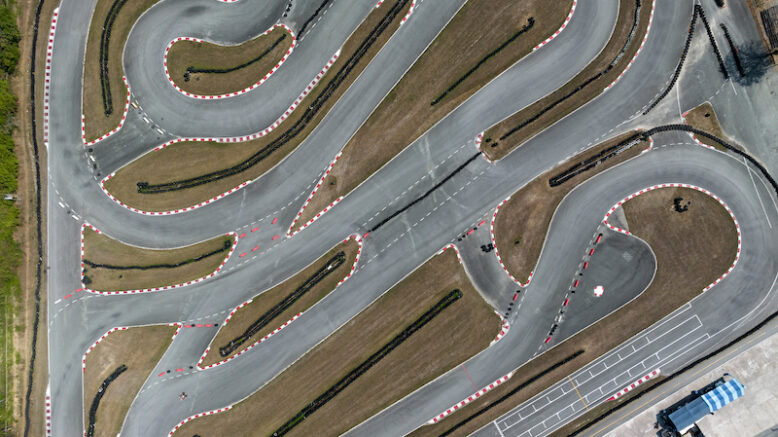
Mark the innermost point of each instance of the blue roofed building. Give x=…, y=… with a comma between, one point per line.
x=685, y=417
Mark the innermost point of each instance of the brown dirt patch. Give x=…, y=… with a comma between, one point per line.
x=406, y=112
x=139, y=349
x=704, y=117
x=245, y=316
x=692, y=249
x=428, y=353
x=592, y=90
x=101, y=249
x=204, y=55
x=95, y=120
x=522, y=222
x=188, y=159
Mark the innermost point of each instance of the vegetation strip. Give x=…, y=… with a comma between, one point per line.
x=513, y=392
x=193, y=69
x=299, y=125
x=333, y=264
x=90, y=431
x=344, y=382
x=524, y=29
x=105, y=39
x=586, y=83
x=423, y=196
x=226, y=248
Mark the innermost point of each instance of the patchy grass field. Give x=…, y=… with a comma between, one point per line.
x=607, y=56
x=245, y=316
x=478, y=29
x=190, y=159
x=457, y=333
x=139, y=349
x=265, y=50
x=96, y=121
x=522, y=222
x=704, y=117
x=692, y=249
x=100, y=249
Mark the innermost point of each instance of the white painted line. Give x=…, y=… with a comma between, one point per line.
x=757, y=192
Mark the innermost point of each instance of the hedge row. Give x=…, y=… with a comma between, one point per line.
x=227, y=246
x=733, y=49
x=105, y=41
x=193, y=69
x=524, y=29
x=586, y=83
x=352, y=376
x=90, y=429
x=333, y=264
x=310, y=112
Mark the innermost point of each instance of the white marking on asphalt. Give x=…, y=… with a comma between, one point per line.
x=757, y=192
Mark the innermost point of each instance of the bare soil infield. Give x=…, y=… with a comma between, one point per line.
x=457, y=333
x=139, y=349
x=205, y=55
x=704, y=117
x=189, y=159
x=619, y=37
x=245, y=316
x=692, y=249
x=526, y=216
x=101, y=249
x=479, y=27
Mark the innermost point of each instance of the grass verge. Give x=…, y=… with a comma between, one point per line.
x=586, y=85
x=111, y=265
x=186, y=160
x=704, y=117
x=139, y=349
x=96, y=121
x=248, y=315
x=457, y=333
x=408, y=110
x=692, y=249
x=210, y=69
x=522, y=222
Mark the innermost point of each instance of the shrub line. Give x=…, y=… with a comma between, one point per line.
x=227, y=246
x=105, y=41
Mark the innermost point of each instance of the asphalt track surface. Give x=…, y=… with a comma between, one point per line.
x=405, y=242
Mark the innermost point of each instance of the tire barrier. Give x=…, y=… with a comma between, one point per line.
x=38, y=228
x=192, y=69
x=226, y=248
x=733, y=49
x=84, y=279
x=310, y=112
x=330, y=267
x=90, y=430
x=595, y=160
x=693, y=187
x=352, y=376
x=423, y=196
x=698, y=11
x=518, y=388
x=105, y=41
x=524, y=29
x=586, y=83
x=312, y=17
x=640, y=48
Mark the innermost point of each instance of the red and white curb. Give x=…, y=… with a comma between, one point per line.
x=645, y=38
x=504, y=328
x=478, y=140
x=469, y=399
x=47, y=78
x=239, y=139
x=117, y=128
x=408, y=15
x=356, y=238
x=629, y=388
x=48, y=410
x=497, y=253
x=83, y=357
x=694, y=138
x=567, y=20
x=456, y=250
x=693, y=187
x=165, y=287
x=291, y=232
x=236, y=93
x=195, y=416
